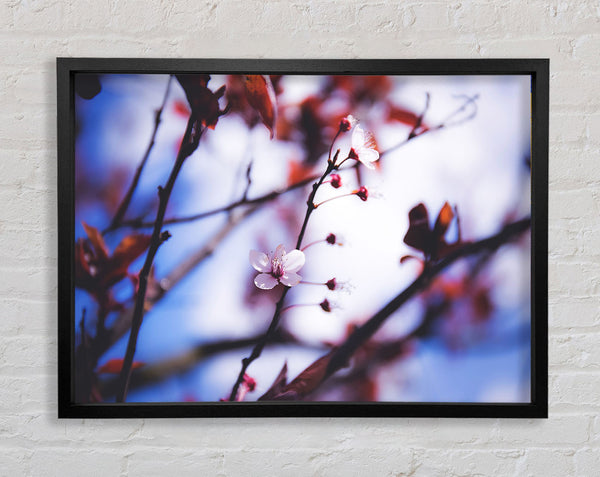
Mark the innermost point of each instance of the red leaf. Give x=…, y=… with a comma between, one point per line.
x=403, y=116
x=261, y=96
x=297, y=172
x=114, y=366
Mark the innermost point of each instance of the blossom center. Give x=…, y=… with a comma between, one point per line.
x=277, y=268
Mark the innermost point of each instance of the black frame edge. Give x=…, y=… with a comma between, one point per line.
x=538, y=68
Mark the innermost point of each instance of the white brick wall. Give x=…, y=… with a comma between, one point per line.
x=34, y=442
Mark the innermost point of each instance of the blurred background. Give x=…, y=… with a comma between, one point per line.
x=464, y=339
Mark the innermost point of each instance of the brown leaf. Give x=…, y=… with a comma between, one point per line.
x=277, y=386
x=261, y=96
x=430, y=241
x=443, y=220
x=204, y=103
x=307, y=381
x=402, y=116
x=130, y=248
x=418, y=234
x=97, y=241
x=96, y=270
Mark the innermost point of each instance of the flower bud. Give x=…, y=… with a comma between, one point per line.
x=347, y=123
x=331, y=239
x=331, y=284
x=336, y=181
x=325, y=305
x=362, y=193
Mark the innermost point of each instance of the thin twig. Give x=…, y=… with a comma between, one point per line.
x=444, y=124
x=257, y=350
x=118, y=218
x=141, y=223
x=419, y=121
x=340, y=357
x=122, y=323
x=189, y=144
x=248, y=180
x=157, y=372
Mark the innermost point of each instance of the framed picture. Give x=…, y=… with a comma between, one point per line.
x=302, y=237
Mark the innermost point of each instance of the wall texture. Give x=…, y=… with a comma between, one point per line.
x=34, y=442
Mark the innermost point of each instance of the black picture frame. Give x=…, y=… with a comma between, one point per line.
x=539, y=71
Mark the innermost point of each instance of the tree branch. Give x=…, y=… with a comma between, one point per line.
x=118, y=218
x=447, y=122
x=122, y=323
x=151, y=374
x=340, y=357
x=364, y=332
x=189, y=144
x=140, y=223
x=256, y=352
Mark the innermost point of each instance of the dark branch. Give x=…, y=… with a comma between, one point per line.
x=118, y=218
x=189, y=144
x=248, y=181
x=341, y=357
x=310, y=207
x=151, y=374
x=123, y=322
x=141, y=223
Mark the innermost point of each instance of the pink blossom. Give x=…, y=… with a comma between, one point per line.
x=363, y=147
x=278, y=267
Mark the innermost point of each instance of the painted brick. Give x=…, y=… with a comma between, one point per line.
x=33, y=34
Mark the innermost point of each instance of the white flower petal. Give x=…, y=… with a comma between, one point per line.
x=293, y=261
x=279, y=253
x=290, y=279
x=260, y=261
x=264, y=281
x=368, y=156
x=358, y=137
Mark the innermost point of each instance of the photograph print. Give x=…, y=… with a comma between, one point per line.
x=342, y=238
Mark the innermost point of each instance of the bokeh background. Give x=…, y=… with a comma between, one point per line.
x=477, y=346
